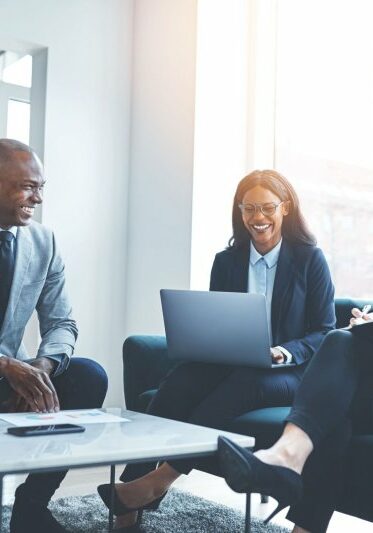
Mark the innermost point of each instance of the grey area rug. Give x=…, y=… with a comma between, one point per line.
x=179, y=512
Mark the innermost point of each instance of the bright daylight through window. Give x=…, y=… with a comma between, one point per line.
x=15, y=84
x=300, y=100
x=324, y=128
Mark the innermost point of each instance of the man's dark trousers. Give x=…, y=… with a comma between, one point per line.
x=82, y=386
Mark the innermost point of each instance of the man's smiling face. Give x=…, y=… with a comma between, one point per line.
x=21, y=189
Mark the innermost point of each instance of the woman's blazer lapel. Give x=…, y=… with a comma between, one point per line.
x=240, y=271
x=283, y=280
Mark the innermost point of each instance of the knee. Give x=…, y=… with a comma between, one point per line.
x=90, y=375
x=338, y=348
x=338, y=334
x=338, y=338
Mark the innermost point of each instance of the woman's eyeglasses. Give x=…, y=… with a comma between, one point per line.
x=266, y=209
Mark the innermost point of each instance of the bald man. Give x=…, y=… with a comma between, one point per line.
x=32, y=277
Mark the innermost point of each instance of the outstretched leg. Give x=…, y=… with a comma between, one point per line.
x=319, y=420
x=180, y=392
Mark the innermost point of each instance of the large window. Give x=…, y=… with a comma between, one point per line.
x=291, y=89
x=324, y=128
x=15, y=95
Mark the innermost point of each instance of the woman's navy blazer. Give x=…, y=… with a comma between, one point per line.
x=303, y=294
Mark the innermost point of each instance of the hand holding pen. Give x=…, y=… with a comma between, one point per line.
x=360, y=317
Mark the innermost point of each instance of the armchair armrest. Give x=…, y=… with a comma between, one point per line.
x=145, y=363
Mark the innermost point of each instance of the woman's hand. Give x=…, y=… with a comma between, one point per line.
x=277, y=356
x=359, y=317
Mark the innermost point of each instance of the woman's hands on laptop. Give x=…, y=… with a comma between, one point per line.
x=277, y=356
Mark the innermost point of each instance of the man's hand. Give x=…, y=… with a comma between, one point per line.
x=31, y=382
x=16, y=404
x=277, y=356
x=359, y=317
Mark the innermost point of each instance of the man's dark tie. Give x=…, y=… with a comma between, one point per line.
x=6, y=270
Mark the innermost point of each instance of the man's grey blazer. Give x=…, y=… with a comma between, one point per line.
x=38, y=283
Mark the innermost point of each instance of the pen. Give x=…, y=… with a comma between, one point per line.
x=366, y=309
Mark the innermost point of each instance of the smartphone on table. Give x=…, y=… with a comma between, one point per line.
x=55, y=429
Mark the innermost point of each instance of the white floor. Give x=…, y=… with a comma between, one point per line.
x=80, y=482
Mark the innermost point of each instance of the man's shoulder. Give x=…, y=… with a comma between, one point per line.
x=37, y=232
x=40, y=238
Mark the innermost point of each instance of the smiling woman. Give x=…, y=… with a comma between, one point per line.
x=265, y=207
x=271, y=252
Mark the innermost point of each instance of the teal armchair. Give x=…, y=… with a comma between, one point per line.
x=146, y=362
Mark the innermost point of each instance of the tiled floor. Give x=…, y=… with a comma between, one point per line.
x=79, y=482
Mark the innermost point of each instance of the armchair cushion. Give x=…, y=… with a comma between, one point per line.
x=145, y=363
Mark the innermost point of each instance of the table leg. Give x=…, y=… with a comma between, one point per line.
x=248, y=513
x=1, y=504
x=112, y=481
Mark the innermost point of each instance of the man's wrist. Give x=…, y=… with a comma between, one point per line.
x=61, y=362
x=45, y=364
x=4, y=363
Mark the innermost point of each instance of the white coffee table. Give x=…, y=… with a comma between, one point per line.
x=144, y=438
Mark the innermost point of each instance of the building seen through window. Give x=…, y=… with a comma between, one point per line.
x=324, y=129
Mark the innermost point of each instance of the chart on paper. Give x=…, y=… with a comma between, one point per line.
x=81, y=416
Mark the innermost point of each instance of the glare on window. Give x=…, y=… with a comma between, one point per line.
x=19, y=72
x=18, y=123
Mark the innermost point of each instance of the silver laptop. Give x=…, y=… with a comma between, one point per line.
x=217, y=327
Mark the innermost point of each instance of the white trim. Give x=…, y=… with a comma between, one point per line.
x=261, y=83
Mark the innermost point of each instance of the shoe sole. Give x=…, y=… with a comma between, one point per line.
x=234, y=467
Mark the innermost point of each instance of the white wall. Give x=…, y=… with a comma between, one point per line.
x=221, y=127
x=120, y=172
x=86, y=156
x=162, y=136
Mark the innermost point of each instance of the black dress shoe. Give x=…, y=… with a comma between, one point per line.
x=31, y=518
x=120, y=508
x=154, y=505
x=244, y=472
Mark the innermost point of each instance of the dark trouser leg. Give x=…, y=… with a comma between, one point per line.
x=322, y=481
x=328, y=386
x=179, y=394
x=245, y=389
x=332, y=388
x=82, y=386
